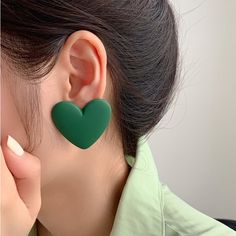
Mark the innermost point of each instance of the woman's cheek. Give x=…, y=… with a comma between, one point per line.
x=10, y=120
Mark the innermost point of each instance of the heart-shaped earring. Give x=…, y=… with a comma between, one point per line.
x=82, y=127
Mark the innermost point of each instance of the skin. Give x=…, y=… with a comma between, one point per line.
x=80, y=189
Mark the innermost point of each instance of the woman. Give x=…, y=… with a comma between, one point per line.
x=83, y=84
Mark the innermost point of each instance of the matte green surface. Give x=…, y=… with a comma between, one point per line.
x=82, y=127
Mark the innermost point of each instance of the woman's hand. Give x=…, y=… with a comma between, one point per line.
x=20, y=189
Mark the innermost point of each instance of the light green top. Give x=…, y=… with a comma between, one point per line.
x=147, y=207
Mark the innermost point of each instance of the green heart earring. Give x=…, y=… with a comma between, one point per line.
x=82, y=127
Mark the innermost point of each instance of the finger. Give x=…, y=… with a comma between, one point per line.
x=8, y=185
x=26, y=170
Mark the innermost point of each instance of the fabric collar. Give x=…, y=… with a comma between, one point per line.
x=140, y=209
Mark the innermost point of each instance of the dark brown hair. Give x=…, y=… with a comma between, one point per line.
x=140, y=37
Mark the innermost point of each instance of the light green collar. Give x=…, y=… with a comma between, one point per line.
x=140, y=210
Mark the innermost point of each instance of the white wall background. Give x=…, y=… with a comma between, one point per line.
x=195, y=143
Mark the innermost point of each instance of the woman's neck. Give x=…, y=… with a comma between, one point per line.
x=86, y=206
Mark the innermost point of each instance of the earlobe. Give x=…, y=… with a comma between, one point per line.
x=86, y=60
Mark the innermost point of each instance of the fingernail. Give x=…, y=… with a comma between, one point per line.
x=14, y=146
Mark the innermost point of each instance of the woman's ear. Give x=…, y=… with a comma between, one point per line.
x=84, y=57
